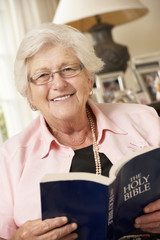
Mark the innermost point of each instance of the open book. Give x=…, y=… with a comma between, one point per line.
x=104, y=208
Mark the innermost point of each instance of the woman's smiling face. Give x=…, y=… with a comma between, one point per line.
x=62, y=98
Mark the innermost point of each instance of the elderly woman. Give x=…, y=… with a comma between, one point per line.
x=54, y=70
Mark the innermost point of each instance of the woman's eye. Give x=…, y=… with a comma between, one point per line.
x=43, y=75
x=67, y=69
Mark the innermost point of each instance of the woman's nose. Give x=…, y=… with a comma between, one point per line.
x=58, y=82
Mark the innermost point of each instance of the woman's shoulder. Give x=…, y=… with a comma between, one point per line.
x=134, y=118
x=125, y=108
x=23, y=138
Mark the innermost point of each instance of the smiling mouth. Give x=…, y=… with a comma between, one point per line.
x=62, y=98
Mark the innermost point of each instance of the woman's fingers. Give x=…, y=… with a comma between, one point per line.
x=62, y=233
x=150, y=222
x=55, y=228
x=152, y=207
x=50, y=224
x=71, y=236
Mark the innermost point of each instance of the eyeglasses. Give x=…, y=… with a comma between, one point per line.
x=45, y=77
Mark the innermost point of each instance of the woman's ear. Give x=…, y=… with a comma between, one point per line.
x=90, y=82
x=91, y=78
x=33, y=108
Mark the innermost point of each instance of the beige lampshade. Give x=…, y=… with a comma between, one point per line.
x=81, y=13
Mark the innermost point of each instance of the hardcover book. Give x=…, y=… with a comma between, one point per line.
x=104, y=208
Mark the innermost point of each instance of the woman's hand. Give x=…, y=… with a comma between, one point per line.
x=49, y=229
x=150, y=222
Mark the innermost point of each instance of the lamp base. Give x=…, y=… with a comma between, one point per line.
x=114, y=55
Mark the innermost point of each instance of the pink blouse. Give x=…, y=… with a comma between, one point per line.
x=28, y=156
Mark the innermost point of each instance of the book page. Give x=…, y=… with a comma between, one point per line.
x=77, y=176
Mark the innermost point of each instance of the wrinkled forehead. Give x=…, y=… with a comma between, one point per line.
x=51, y=57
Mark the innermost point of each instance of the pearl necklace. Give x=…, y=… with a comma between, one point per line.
x=95, y=146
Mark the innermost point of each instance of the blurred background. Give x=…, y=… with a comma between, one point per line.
x=140, y=36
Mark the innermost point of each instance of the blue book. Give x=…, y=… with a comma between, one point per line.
x=104, y=208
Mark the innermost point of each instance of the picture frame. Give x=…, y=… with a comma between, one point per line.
x=147, y=72
x=142, y=98
x=110, y=85
x=148, y=79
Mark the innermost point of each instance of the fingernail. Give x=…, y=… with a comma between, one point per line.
x=64, y=219
x=146, y=210
x=137, y=221
x=74, y=225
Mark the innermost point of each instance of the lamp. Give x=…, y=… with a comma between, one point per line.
x=99, y=17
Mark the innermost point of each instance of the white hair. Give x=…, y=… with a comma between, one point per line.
x=57, y=34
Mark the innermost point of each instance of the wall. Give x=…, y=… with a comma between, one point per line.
x=142, y=36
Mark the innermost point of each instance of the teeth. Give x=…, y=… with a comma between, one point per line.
x=61, y=98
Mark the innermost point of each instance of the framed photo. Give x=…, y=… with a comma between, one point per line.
x=147, y=72
x=142, y=98
x=110, y=84
x=149, y=78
